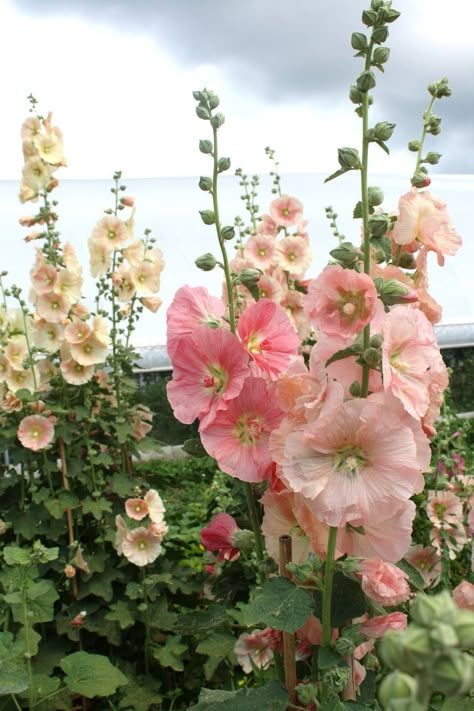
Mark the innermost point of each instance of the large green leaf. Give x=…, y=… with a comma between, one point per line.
x=347, y=600
x=170, y=654
x=270, y=697
x=91, y=675
x=13, y=678
x=140, y=694
x=214, y=616
x=40, y=599
x=414, y=577
x=281, y=605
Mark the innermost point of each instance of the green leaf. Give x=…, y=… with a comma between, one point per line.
x=218, y=644
x=16, y=556
x=91, y=675
x=160, y=616
x=65, y=500
x=122, y=485
x=328, y=657
x=281, y=605
x=140, y=694
x=42, y=685
x=100, y=584
x=336, y=174
x=414, y=576
x=122, y=613
x=194, y=448
x=355, y=349
x=170, y=654
x=214, y=616
x=13, y=678
x=347, y=600
x=270, y=697
x=97, y=507
x=457, y=703
x=382, y=145
x=40, y=599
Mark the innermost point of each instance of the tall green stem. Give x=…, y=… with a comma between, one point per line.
x=423, y=132
x=254, y=522
x=327, y=589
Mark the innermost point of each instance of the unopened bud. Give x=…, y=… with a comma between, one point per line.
x=399, y=687
x=381, y=55
x=358, y=41
x=206, y=262
x=307, y=693
x=406, y=260
x=372, y=357
x=376, y=341
x=378, y=224
x=453, y=673
x=443, y=637
x=207, y=216
x=420, y=180
x=380, y=34
x=202, y=112
x=355, y=95
x=223, y=164
x=205, y=183
x=213, y=100
x=205, y=146
x=217, y=120
x=344, y=646
x=243, y=540
x=464, y=626
x=394, y=292
x=348, y=158
x=336, y=678
x=383, y=130
x=355, y=389
x=414, y=146
x=427, y=610
x=249, y=277
x=434, y=121
x=365, y=81
x=375, y=196
x=228, y=232
x=346, y=253
x=432, y=157
x=369, y=17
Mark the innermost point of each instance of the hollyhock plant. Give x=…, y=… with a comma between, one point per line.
x=375, y=627
x=427, y=561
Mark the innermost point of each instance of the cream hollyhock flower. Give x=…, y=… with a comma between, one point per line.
x=75, y=373
x=142, y=546
x=36, y=174
x=4, y=367
x=100, y=259
x=77, y=331
x=21, y=380
x=50, y=148
x=152, y=303
x=69, y=285
x=145, y=278
x=16, y=351
x=35, y=432
x=30, y=128
x=134, y=253
x=90, y=351
x=110, y=231
x=52, y=307
x=155, y=506
x=123, y=285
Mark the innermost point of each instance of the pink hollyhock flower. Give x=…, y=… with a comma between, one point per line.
x=375, y=627
x=136, y=509
x=258, y=647
x=152, y=303
x=426, y=303
x=35, y=432
x=142, y=420
x=267, y=226
x=155, y=506
x=340, y=301
x=451, y=539
x=354, y=464
x=270, y=288
x=286, y=210
x=111, y=232
x=142, y=545
x=238, y=437
x=312, y=632
x=52, y=307
x=463, y=595
x=427, y=561
x=269, y=337
x=75, y=373
x=190, y=307
x=262, y=250
x=444, y=509
x=219, y=536
x=294, y=255
x=384, y=582
x=424, y=217
x=209, y=370
x=413, y=369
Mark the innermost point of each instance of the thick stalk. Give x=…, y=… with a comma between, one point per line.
x=423, y=133
x=289, y=659
x=327, y=589
x=254, y=522
x=68, y=512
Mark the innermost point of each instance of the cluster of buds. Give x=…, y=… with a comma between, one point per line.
x=431, y=655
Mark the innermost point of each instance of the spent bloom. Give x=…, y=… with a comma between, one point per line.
x=257, y=648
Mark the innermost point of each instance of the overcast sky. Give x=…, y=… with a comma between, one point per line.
x=118, y=76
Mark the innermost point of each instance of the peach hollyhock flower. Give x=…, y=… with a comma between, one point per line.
x=219, y=536
x=76, y=331
x=36, y=174
x=48, y=336
x=75, y=373
x=411, y=359
x=238, y=437
x=427, y=561
x=123, y=285
x=155, y=506
x=50, y=148
x=463, y=595
x=142, y=422
x=99, y=258
x=266, y=332
x=35, y=432
x=69, y=285
x=451, y=539
x=270, y=288
x=340, y=301
x=262, y=250
x=354, y=464
x=383, y=582
x=424, y=217
x=146, y=278
x=286, y=210
x=152, y=303
x=190, y=307
x=141, y=546
x=90, y=351
x=121, y=532
x=22, y=379
x=110, y=232
x=52, y=307
x=43, y=275
x=16, y=351
x=70, y=259
x=444, y=509
x=257, y=647
x=432, y=310
x=101, y=329
x=294, y=255
x=267, y=226
x=375, y=627
x=4, y=368
x=134, y=252
x=30, y=128
x=136, y=509
x=209, y=370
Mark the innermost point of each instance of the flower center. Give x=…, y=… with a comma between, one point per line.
x=248, y=429
x=349, y=460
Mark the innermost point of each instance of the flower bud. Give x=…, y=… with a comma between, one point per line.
x=202, y=112
x=205, y=184
x=205, y=146
x=383, y=130
x=398, y=686
x=223, y=164
x=355, y=95
x=228, y=232
x=394, y=292
x=369, y=18
x=206, y=262
x=381, y=55
x=344, y=646
x=307, y=693
x=200, y=95
x=406, y=261
x=372, y=357
x=427, y=610
x=443, y=637
x=420, y=179
x=249, y=277
x=207, y=216
x=380, y=34
x=414, y=146
x=348, y=158
x=376, y=341
x=464, y=626
x=453, y=673
x=434, y=121
x=432, y=157
x=346, y=253
x=375, y=196
x=378, y=224
x=336, y=678
x=365, y=81
x=217, y=120
x=243, y=539
x=213, y=100
x=358, y=41
x=355, y=389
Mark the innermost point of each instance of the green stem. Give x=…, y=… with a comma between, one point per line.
x=27, y=646
x=423, y=132
x=254, y=522
x=147, y=623
x=327, y=589
x=16, y=702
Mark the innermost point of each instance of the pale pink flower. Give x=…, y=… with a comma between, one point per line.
x=76, y=331
x=424, y=217
x=52, y=307
x=43, y=275
x=99, y=258
x=444, y=509
x=16, y=351
x=134, y=252
x=269, y=337
x=427, y=561
x=270, y=288
x=30, y=128
x=451, y=539
x=267, y=226
x=426, y=303
x=35, y=432
x=238, y=437
x=258, y=647
x=146, y=278
x=412, y=365
x=75, y=373
x=69, y=285
x=156, y=508
x=294, y=255
x=209, y=369
x=110, y=231
x=4, y=368
x=152, y=303
x=375, y=627
x=354, y=463
x=341, y=301
x=70, y=259
x=136, y=509
x=383, y=582
x=120, y=533
x=101, y=329
x=141, y=546
x=286, y=210
x=123, y=285
x=262, y=250
x=48, y=336
x=142, y=422
x=312, y=632
x=90, y=351
x=21, y=379
x=190, y=307
x=463, y=595
x=219, y=536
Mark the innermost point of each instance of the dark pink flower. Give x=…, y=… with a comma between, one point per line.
x=218, y=536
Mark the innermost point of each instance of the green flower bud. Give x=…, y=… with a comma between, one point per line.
x=213, y=100
x=427, y=610
x=200, y=95
x=372, y=357
x=249, y=277
x=205, y=184
x=346, y=253
x=464, y=626
x=142, y=607
x=207, y=216
x=202, y=112
x=375, y=196
x=376, y=341
x=344, y=646
x=398, y=686
x=206, y=262
x=435, y=131
x=348, y=158
x=432, y=157
x=217, y=120
x=379, y=224
x=380, y=34
x=434, y=121
x=307, y=693
x=228, y=232
x=365, y=81
x=443, y=637
x=243, y=539
x=355, y=389
x=369, y=18
x=223, y=164
x=205, y=146
x=414, y=146
x=355, y=95
x=406, y=261
x=394, y=292
x=391, y=15
x=381, y=55
x=453, y=673
x=377, y=4
x=336, y=678
x=383, y=130
x=420, y=180
x=440, y=89
x=359, y=41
